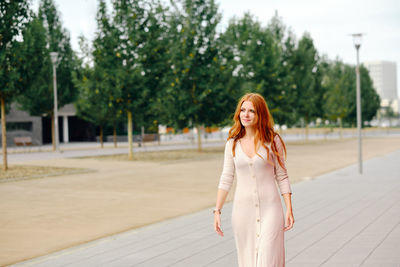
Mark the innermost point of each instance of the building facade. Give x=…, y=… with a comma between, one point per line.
x=384, y=77
x=38, y=128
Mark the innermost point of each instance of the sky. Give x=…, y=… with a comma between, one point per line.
x=329, y=22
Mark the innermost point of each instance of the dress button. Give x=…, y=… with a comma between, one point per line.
x=256, y=205
x=254, y=176
x=258, y=235
x=251, y=164
x=258, y=220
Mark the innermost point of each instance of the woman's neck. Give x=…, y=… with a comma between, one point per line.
x=250, y=133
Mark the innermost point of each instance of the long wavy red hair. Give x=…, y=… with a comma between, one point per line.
x=264, y=128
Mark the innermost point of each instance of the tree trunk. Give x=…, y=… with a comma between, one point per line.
x=130, y=135
x=142, y=136
x=306, y=122
x=53, y=133
x=158, y=135
x=198, y=138
x=3, y=133
x=115, y=135
x=101, y=137
x=340, y=128
x=306, y=132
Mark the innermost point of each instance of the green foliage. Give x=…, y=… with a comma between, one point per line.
x=283, y=108
x=172, y=67
x=92, y=102
x=154, y=59
x=257, y=55
x=370, y=100
x=142, y=51
x=340, y=96
x=43, y=35
x=98, y=101
x=127, y=18
x=37, y=70
x=307, y=79
x=338, y=81
x=13, y=17
x=197, y=92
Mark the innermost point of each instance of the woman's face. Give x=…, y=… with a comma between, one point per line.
x=247, y=114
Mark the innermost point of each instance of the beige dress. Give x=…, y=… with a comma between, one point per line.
x=257, y=213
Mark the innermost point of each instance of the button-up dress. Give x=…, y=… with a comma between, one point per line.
x=257, y=213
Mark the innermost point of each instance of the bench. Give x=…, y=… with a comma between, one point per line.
x=23, y=141
x=147, y=138
x=150, y=137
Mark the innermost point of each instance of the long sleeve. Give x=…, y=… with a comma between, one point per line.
x=281, y=175
x=228, y=171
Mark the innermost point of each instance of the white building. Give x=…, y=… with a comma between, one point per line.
x=384, y=78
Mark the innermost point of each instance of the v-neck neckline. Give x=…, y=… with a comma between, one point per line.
x=240, y=145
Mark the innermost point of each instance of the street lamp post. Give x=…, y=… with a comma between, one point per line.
x=357, y=44
x=54, y=56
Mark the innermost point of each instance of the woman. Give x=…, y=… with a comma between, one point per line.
x=255, y=152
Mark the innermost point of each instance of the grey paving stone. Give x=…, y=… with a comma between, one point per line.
x=387, y=250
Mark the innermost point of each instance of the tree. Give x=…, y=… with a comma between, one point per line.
x=285, y=40
x=38, y=97
x=13, y=17
x=98, y=100
x=260, y=54
x=155, y=61
x=92, y=104
x=140, y=27
x=370, y=100
x=307, y=79
x=338, y=82
x=259, y=60
x=196, y=92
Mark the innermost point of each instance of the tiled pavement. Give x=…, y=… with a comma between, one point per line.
x=341, y=219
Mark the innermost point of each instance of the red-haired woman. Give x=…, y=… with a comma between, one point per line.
x=256, y=154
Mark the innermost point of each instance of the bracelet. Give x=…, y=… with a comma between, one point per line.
x=219, y=211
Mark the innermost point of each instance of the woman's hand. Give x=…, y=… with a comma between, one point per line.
x=289, y=220
x=217, y=224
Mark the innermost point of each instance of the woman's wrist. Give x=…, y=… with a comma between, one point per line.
x=217, y=211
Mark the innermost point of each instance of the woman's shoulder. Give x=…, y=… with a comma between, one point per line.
x=277, y=138
x=230, y=141
x=268, y=144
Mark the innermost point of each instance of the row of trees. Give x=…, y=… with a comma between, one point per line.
x=152, y=64
x=26, y=40
x=170, y=65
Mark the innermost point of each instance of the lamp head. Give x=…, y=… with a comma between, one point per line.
x=357, y=39
x=54, y=56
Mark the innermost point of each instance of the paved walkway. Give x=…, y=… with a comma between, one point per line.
x=341, y=219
